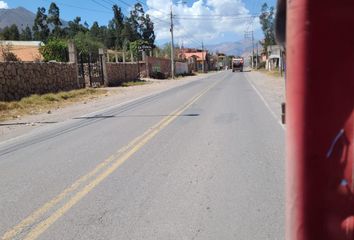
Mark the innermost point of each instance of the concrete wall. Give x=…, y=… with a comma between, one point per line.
x=118, y=73
x=21, y=79
x=181, y=68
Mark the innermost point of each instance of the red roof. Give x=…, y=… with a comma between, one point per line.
x=198, y=55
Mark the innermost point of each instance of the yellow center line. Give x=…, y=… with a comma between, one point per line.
x=126, y=152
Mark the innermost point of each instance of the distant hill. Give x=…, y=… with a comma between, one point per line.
x=19, y=16
x=231, y=48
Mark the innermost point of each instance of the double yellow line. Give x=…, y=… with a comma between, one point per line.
x=34, y=221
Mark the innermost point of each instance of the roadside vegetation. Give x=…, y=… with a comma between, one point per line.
x=36, y=104
x=274, y=73
x=135, y=83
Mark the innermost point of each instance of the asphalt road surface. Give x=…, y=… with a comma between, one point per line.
x=200, y=161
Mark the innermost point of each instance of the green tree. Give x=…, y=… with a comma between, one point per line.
x=55, y=49
x=26, y=34
x=266, y=19
x=95, y=30
x=110, y=36
x=75, y=27
x=40, y=28
x=148, y=33
x=54, y=19
x=85, y=43
x=136, y=21
x=128, y=32
x=118, y=25
x=133, y=46
x=11, y=33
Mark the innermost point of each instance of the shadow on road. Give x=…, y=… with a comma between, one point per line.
x=138, y=116
x=24, y=123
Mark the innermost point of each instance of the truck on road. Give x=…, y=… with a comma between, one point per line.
x=237, y=64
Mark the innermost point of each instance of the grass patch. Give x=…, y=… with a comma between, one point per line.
x=42, y=103
x=271, y=73
x=134, y=83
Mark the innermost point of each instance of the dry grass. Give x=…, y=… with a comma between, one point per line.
x=35, y=104
x=134, y=83
x=270, y=73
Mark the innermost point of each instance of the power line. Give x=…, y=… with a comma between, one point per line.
x=78, y=7
x=156, y=18
x=216, y=15
x=100, y=4
x=152, y=8
x=213, y=19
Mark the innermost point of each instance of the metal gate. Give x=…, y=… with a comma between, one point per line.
x=90, y=69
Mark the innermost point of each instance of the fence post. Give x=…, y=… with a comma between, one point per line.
x=147, y=66
x=73, y=59
x=102, y=53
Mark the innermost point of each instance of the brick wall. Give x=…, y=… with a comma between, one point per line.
x=118, y=73
x=21, y=79
x=158, y=65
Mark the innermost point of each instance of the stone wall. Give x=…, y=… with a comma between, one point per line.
x=21, y=79
x=118, y=73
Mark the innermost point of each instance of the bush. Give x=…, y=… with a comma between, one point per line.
x=55, y=50
x=7, y=55
x=158, y=75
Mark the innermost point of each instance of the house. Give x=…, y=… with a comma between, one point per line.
x=223, y=61
x=275, y=57
x=27, y=51
x=196, y=58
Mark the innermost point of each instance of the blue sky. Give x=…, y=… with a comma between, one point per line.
x=187, y=31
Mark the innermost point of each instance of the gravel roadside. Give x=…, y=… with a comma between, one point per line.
x=271, y=88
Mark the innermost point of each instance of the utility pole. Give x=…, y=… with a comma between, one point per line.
x=249, y=35
x=257, y=55
x=252, y=50
x=203, y=66
x=172, y=47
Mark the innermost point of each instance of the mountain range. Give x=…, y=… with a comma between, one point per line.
x=19, y=16
x=238, y=48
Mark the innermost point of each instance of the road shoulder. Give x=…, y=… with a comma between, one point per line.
x=271, y=89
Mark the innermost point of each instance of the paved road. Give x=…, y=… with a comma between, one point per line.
x=200, y=161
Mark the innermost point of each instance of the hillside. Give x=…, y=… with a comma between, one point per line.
x=231, y=48
x=19, y=16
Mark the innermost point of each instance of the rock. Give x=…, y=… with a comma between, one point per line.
x=49, y=112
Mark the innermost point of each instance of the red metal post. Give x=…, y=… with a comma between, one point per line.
x=320, y=120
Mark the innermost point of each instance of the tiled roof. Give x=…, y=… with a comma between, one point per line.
x=198, y=55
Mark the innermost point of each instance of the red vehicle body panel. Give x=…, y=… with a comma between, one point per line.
x=320, y=120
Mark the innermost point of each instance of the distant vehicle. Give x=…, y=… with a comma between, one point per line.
x=237, y=64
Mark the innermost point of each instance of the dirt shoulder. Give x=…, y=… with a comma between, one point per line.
x=24, y=124
x=271, y=87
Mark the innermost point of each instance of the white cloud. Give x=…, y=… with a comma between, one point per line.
x=190, y=28
x=3, y=5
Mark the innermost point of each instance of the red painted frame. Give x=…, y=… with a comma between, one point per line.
x=320, y=120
